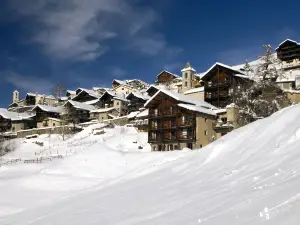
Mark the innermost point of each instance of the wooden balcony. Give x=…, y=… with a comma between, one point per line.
x=226, y=84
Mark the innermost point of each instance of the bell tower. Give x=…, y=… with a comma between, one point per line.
x=16, y=96
x=188, y=76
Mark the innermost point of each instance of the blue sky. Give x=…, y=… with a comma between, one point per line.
x=88, y=43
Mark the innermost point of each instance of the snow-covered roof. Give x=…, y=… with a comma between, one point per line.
x=40, y=95
x=80, y=105
x=194, y=90
x=144, y=113
x=89, y=92
x=165, y=71
x=225, y=66
x=133, y=114
x=48, y=108
x=92, y=102
x=138, y=94
x=102, y=110
x=218, y=111
x=287, y=40
x=64, y=98
x=182, y=98
x=71, y=92
x=188, y=69
x=14, y=116
x=197, y=109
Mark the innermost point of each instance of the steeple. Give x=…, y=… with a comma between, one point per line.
x=188, y=75
x=15, y=96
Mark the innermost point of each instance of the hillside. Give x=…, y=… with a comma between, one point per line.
x=250, y=176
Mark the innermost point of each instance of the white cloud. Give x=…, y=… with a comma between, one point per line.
x=118, y=72
x=80, y=30
x=29, y=83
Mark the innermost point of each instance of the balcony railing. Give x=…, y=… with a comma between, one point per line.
x=164, y=113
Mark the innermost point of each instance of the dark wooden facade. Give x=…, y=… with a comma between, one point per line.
x=169, y=124
x=41, y=115
x=220, y=83
x=135, y=103
x=288, y=51
x=165, y=77
x=5, y=124
x=106, y=100
x=84, y=96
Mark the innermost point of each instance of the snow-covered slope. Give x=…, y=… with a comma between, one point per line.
x=250, y=176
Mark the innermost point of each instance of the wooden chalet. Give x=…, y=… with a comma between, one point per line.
x=165, y=77
x=77, y=112
x=107, y=99
x=85, y=95
x=136, y=100
x=288, y=51
x=44, y=112
x=220, y=82
x=176, y=121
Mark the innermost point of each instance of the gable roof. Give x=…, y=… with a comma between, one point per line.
x=194, y=90
x=287, y=40
x=48, y=108
x=139, y=95
x=182, y=98
x=80, y=105
x=13, y=116
x=165, y=71
x=224, y=66
x=40, y=95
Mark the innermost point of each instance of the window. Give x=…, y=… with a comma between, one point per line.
x=53, y=124
x=224, y=120
x=122, y=89
x=171, y=147
x=186, y=75
x=205, y=119
x=205, y=133
x=118, y=103
x=200, y=146
x=185, y=83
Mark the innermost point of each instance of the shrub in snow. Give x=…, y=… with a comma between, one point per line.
x=263, y=96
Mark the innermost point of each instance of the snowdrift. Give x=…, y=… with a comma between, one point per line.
x=250, y=176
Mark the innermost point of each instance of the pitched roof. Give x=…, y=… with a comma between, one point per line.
x=144, y=113
x=80, y=105
x=48, y=108
x=287, y=40
x=92, y=102
x=165, y=71
x=182, y=98
x=197, y=109
x=14, y=116
x=194, y=90
x=40, y=95
x=138, y=94
x=224, y=66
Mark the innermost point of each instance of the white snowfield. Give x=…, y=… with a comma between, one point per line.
x=250, y=176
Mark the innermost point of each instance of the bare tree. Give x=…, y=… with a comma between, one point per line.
x=59, y=91
x=263, y=96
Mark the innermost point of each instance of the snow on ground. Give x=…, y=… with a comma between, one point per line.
x=250, y=176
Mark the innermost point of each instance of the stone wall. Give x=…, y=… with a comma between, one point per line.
x=48, y=130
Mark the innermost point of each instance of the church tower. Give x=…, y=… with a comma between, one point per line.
x=188, y=76
x=15, y=96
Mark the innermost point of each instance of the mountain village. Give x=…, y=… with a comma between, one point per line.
x=186, y=110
